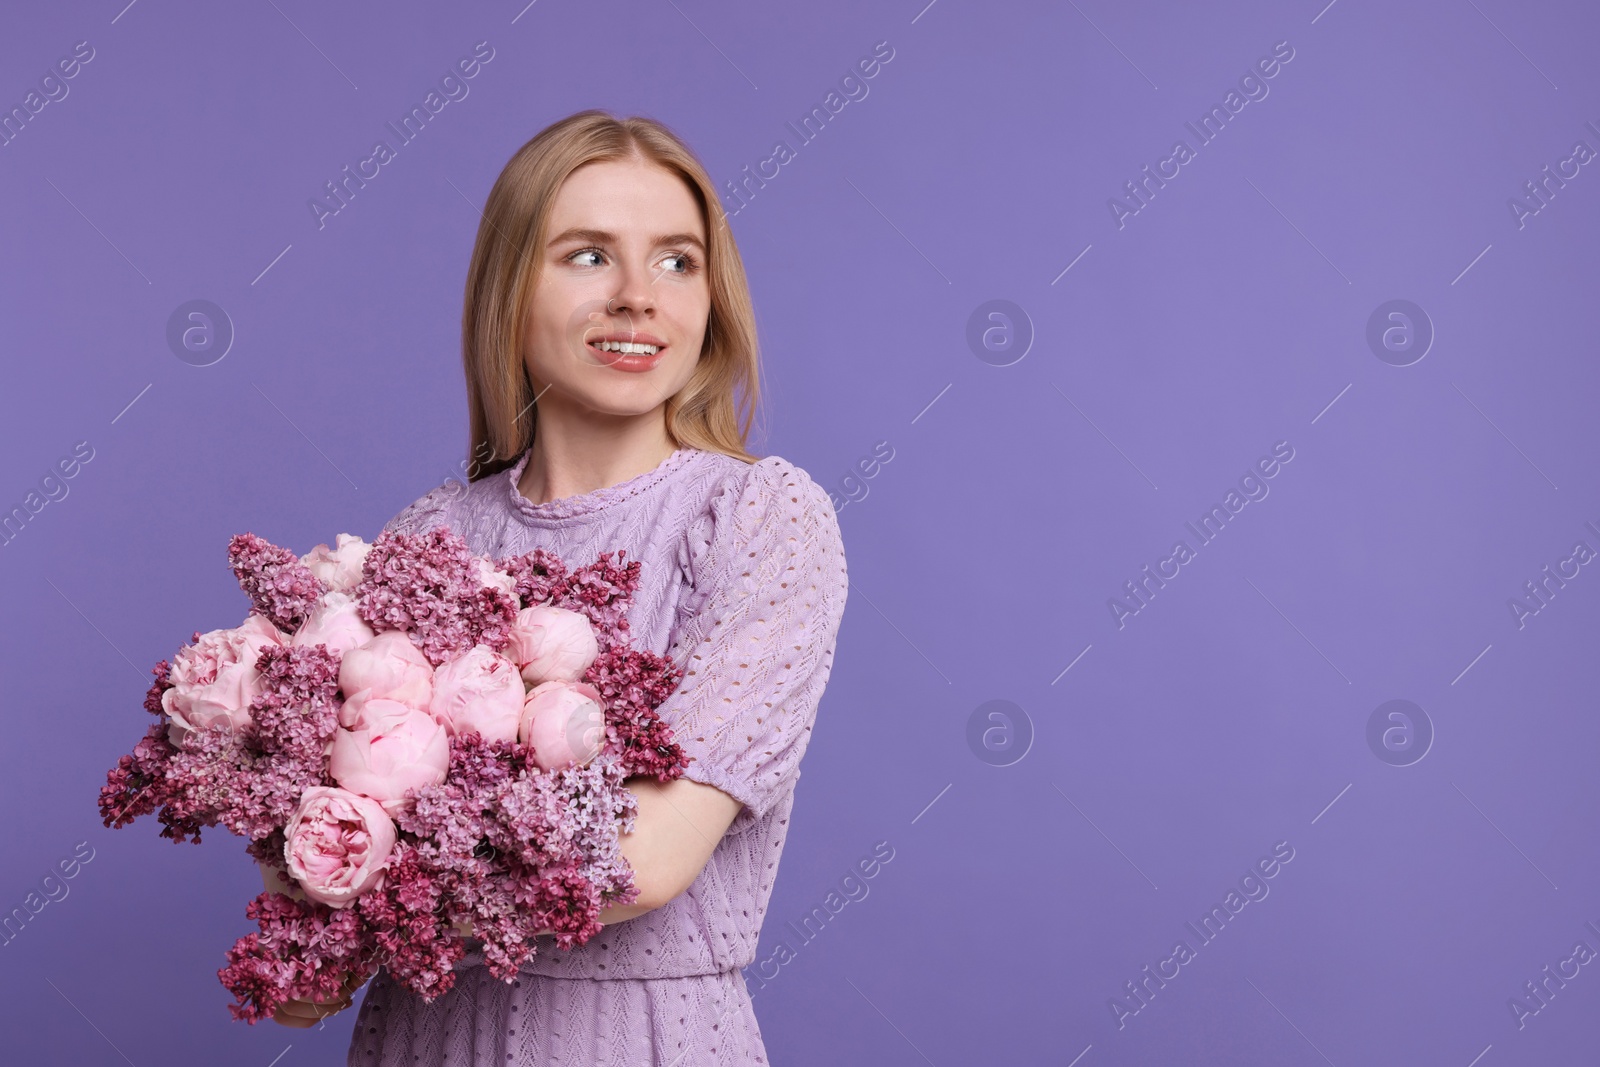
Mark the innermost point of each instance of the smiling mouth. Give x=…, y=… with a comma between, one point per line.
x=627, y=356
x=625, y=348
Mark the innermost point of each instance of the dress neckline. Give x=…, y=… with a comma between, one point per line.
x=597, y=500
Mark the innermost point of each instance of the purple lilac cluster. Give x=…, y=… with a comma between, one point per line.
x=428, y=586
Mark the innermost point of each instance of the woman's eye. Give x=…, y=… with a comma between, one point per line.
x=689, y=263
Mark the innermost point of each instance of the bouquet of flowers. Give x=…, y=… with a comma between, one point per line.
x=414, y=739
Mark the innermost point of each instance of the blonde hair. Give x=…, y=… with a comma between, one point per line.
x=505, y=265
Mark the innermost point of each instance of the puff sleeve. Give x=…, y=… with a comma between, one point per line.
x=757, y=639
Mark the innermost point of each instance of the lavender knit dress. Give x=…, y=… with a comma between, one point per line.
x=743, y=585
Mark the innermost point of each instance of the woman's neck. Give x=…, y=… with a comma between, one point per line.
x=560, y=467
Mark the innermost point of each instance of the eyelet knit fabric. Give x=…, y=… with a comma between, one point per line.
x=743, y=585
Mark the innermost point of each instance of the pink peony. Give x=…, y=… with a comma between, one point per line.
x=496, y=578
x=563, y=723
x=338, y=844
x=552, y=644
x=336, y=623
x=479, y=690
x=390, y=748
x=340, y=566
x=215, y=679
x=391, y=666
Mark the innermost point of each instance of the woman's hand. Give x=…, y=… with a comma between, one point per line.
x=303, y=1014
x=466, y=929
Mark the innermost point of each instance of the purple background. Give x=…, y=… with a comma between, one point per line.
x=1228, y=314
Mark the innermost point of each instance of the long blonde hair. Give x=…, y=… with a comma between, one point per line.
x=505, y=265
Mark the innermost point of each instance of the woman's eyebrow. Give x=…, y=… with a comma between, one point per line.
x=606, y=237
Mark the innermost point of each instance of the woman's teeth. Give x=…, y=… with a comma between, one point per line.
x=626, y=348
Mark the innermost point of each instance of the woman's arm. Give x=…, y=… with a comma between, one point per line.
x=757, y=649
x=273, y=884
x=675, y=830
x=678, y=826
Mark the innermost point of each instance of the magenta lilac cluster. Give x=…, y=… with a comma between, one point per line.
x=414, y=741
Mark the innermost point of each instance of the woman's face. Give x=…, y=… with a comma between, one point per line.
x=630, y=234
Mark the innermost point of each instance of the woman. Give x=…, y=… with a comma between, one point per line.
x=607, y=326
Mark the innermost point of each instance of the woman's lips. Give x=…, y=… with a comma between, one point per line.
x=633, y=363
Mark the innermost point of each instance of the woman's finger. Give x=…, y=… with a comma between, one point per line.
x=299, y=1012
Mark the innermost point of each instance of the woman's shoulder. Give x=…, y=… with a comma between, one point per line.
x=756, y=509
x=458, y=502
x=739, y=493
x=434, y=508
x=769, y=480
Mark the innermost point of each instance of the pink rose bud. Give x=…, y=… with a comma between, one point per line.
x=564, y=724
x=340, y=567
x=336, y=623
x=550, y=644
x=391, y=666
x=498, y=579
x=479, y=690
x=215, y=679
x=392, y=748
x=338, y=845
